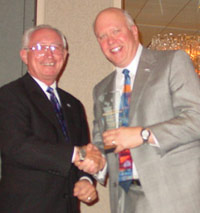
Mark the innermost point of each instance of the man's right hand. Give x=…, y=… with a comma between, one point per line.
x=93, y=162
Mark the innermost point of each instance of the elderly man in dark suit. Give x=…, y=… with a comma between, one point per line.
x=43, y=130
x=160, y=134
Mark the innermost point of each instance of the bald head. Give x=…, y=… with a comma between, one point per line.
x=119, y=12
x=117, y=35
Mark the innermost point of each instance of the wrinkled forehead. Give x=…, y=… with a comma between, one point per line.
x=109, y=18
x=45, y=36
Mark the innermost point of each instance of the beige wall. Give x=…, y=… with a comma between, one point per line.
x=86, y=64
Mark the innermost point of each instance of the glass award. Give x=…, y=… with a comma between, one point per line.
x=110, y=113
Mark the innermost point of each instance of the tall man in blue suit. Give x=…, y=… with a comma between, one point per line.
x=38, y=148
x=163, y=133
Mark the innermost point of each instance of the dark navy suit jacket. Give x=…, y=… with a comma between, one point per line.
x=37, y=173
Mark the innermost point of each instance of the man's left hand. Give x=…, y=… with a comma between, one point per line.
x=123, y=138
x=85, y=191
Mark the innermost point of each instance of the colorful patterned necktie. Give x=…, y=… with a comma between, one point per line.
x=58, y=111
x=125, y=160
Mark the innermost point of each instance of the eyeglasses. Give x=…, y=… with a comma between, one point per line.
x=41, y=49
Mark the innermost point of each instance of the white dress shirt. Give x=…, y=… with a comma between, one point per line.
x=44, y=88
x=119, y=85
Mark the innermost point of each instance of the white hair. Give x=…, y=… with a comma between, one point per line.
x=27, y=35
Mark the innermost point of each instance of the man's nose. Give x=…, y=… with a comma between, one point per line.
x=48, y=52
x=111, y=39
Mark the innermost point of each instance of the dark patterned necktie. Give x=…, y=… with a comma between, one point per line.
x=125, y=160
x=58, y=111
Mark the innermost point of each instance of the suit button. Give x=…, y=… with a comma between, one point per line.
x=65, y=195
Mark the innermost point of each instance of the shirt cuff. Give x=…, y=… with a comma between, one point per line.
x=156, y=143
x=86, y=178
x=74, y=154
x=100, y=176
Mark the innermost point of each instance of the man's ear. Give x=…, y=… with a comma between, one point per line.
x=134, y=29
x=65, y=56
x=24, y=56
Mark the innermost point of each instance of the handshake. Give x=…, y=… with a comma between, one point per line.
x=89, y=159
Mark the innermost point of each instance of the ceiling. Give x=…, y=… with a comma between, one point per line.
x=164, y=16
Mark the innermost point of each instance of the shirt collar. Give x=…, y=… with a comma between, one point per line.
x=132, y=67
x=43, y=85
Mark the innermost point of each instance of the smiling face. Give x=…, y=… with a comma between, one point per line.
x=118, y=41
x=45, y=67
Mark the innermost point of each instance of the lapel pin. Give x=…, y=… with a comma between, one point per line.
x=147, y=70
x=68, y=105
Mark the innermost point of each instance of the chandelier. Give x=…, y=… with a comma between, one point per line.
x=189, y=43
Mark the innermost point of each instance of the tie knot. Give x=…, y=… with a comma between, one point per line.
x=125, y=72
x=50, y=90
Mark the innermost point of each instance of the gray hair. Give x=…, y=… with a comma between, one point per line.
x=27, y=35
x=128, y=18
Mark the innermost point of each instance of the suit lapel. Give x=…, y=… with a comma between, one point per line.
x=40, y=100
x=145, y=67
x=107, y=94
x=109, y=85
x=67, y=112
